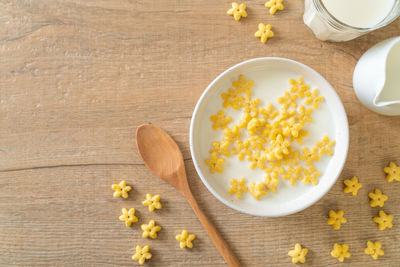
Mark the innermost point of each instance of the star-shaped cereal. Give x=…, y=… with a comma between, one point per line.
x=298, y=254
x=393, y=172
x=238, y=187
x=311, y=175
x=153, y=202
x=384, y=220
x=336, y=218
x=310, y=156
x=293, y=174
x=264, y=32
x=313, y=98
x=257, y=160
x=150, y=229
x=257, y=190
x=232, y=98
x=215, y=163
x=279, y=147
x=271, y=182
x=340, y=252
x=352, y=186
x=242, y=149
x=377, y=198
x=128, y=216
x=237, y=11
x=374, y=249
x=220, y=148
x=121, y=189
x=242, y=85
x=274, y=5
x=325, y=146
x=299, y=87
x=185, y=239
x=231, y=134
x=220, y=120
x=142, y=254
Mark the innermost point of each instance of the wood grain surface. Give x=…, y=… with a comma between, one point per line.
x=78, y=77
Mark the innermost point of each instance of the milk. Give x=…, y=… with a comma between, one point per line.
x=359, y=13
x=391, y=91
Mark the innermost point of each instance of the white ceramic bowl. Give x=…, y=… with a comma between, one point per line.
x=270, y=76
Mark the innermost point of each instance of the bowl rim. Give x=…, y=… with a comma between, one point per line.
x=323, y=191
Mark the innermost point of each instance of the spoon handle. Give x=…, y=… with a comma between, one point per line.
x=215, y=236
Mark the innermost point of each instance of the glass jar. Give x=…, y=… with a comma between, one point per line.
x=327, y=28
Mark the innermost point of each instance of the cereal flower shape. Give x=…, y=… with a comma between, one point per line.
x=232, y=98
x=280, y=147
x=299, y=87
x=293, y=174
x=311, y=175
x=220, y=148
x=150, y=229
x=352, y=186
x=274, y=5
x=243, y=85
x=325, y=146
x=393, y=172
x=310, y=156
x=264, y=32
x=220, y=120
x=152, y=202
x=313, y=98
x=238, y=187
x=257, y=160
x=336, y=218
x=257, y=190
x=271, y=182
x=298, y=254
x=377, y=198
x=374, y=249
x=340, y=252
x=142, y=254
x=242, y=149
x=185, y=239
x=121, y=189
x=237, y=11
x=231, y=134
x=215, y=163
x=128, y=216
x=384, y=220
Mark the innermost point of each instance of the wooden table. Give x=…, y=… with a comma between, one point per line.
x=78, y=77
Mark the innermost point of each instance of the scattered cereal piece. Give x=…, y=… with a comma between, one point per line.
x=280, y=147
x=293, y=174
x=128, y=216
x=352, y=186
x=264, y=32
x=384, y=220
x=238, y=187
x=340, y=252
x=374, y=249
x=150, y=229
x=309, y=156
x=215, y=163
x=242, y=149
x=325, y=146
x=220, y=148
x=243, y=86
x=377, y=198
x=274, y=5
x=393, y=172
x=121, y=189
x=232, y=98
x=311, y=175
x=220, y=120
x=257, y=160
x=313, y=98
x=336, y=218
x=237, y=11
x=298, y=254
x=152, y=202
x=142, y=254
x=185, y=239
x=257, y=190
x=231, y=134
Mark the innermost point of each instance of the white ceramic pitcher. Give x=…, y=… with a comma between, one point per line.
x=376, y=78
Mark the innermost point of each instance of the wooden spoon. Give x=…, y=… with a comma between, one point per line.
x=162, y=156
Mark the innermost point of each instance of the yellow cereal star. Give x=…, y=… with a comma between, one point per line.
x=231, y=134
x=220, y=148
x=237, y=11
x=121, y=189
x=142, y=254
x=280, y=147
x=325, y=146
x=153, y=202
x=257, y=142
x=374, y=249
x=242, y=149
x=274, y=5
x=220, y=120
x=352, y=186
x=310, y=156
x=304, y=114
x=271, y=182
x=298, y=254
x=336, y=218
x=257, y=190
x=290, y=127
x=185, y=239
x=238, y=187
x=299, y=87
x=300, y=138
x=242, y=85
x=150, y=229
x=313, y=98
x=293, y=174
x=257, y=160
x=311, y=175
x=215, y=163
x=340, y=252
x=377, y=198
x=128, y=216
x=255, y=125
x=393, y=172
x=232, y=98
x=264, y=32
x=384, y=220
